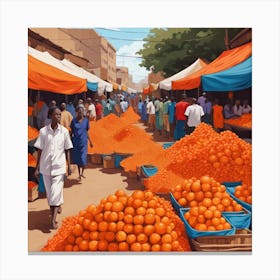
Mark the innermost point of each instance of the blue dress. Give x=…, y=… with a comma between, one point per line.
x=144, y=115
x=80, y=141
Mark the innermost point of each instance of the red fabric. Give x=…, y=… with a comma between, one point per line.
x=98, y=109
x=180, y=110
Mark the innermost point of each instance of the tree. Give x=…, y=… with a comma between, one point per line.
x=171, y=50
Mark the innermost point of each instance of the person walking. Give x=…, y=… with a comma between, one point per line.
x=151, y=111
x=194, y=112
x=171, y=115
x=159, y=115
x=71, y=109
x=98, y=109
x=53, y=143
x=181, y=118
x=144, y=115
x=80, y=137
x=207, y=118
x=166, y=125
x=218, y=117
x=66, y=117
x=91, y=111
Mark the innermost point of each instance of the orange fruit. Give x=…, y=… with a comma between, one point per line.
x=166, y=238
x=155, y=248
x=78, y=230
x=135, y=247
x=149, y=219
x=238, y=161
x=112, y=198
x=68, y=248
x=152, y=203
x=120, y=215
x=138, y=220
x=78, y=240
x=201, y=219
x=129, y=210
x=121, y=236
x=98, y=217
x=199, y=196
x=192, y=221
x=166, y=247
x=160, y=228
x=222, y=220
x=220, y=227
x=141, y=211
x=227, y=225
x=123, y=246
x=137, y=203
x=175, y=245
x=217, y=214
x=226, y=202
x=120, y=225
x=182, y=201
x=215, y=221
x=128, y=219
x=113, y=217
x=202, y=227
x=93, y=235
x=220, y=207
x=146, y=247
x=205, y=187
x=109, y=236
x=213, y=158
x=131, y=238
x=142, y=238
x=103, y=226
x=108, y=206
x=93, y=226
x=194, y=211
x=76, y=248
x=138, y=229
x=154, y=238
x=205, y=179
x=102, y=245
x=112, y=226
x=86, y=223
x=113, y=246
x=206, y=202
x=160, y=211
x=208, y=195
x=151, y=211
x=211, y=228
x=215, y=201
x=149, y=229
x=138, y=195
x=128, y=228
x=117, y=206
x=195, y=187
x=120, y=193
x=83, y=246
x=85, y=235
x=208, y=214
x=190, y=196
x=71, y=239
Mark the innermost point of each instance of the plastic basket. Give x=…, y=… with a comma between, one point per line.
x=175, y=203
x=149, y=170
x=193, y=233
x=167, y=145
x=240, y=220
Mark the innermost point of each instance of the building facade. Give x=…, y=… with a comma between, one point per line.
x=154, y=78
x=122, y=75
x=85, y=43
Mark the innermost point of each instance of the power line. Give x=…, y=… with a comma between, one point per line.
x=122, y=31
x=131, y=56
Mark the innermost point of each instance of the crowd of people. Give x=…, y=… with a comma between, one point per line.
x=176, y=119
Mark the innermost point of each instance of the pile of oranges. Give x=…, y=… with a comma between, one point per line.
x=33, y=133
x=223, y=156
x=244, y=193
x=245, y=120
x=138, y=222
x=205, y=192
x=204, y=218
x=129, y=116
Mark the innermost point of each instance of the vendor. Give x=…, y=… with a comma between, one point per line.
x=228, y=110
x=237, y=108
x=246, y=108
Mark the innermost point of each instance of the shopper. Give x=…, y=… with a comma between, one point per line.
x=151, y=111
x=207, y=118
x=180, y=109
x=66, y=117
x=194, y=112
x=246, y=108
x=159, y=115
x=202, y=100
x=71, y=109
x=43, y=116
x=80, y=137
x=91, y=111
x=237, y=108
x=52, y=144
x=144, y=115
x=218, y=117
x=171, y=115
x=98, y=109
x=166, y=125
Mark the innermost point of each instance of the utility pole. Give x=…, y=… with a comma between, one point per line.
x=227, y=39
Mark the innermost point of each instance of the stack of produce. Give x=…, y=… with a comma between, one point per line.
x=33, y=133
x=31, y=161
x=245, y=121
x=130, y=116
x=141, y=221
x=223, y=156
x=205, y=192
x=244, y=193
x=30, y=110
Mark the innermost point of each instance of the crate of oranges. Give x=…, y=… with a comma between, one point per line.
x=205, y=221
x=241, y=193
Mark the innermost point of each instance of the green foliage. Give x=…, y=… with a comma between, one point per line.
x=170, y=50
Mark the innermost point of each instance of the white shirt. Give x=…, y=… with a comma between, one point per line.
x=92, y=110
x=246, y=110
x=151, y=108
x=124, y=105
x=53, y=145
x=236, y=111
x=194, y=113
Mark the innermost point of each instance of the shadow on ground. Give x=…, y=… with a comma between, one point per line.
x=70, y=182
x=39, y=220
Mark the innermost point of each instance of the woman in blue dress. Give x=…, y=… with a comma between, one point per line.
x=80, y=137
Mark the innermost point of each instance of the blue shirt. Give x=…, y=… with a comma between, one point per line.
x=207, y=108
x=79, y=131
x=171, y=111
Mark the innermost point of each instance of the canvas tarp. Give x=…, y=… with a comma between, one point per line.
x=225, y=61
x=238, y=77
x=43, y=76
x=167, y=83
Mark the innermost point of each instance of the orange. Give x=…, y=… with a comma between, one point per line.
x=213, y=158
x=123, y=246
x=154, y=238
x=194, y=211
x=117, y=206
x=135, y=247
x=93, y=245
x=206, y=202
x=113, y=246
x=182, y=201
x=165, y=220
x=146, y=247
x=83, y=245
x=166, y=238
x=151, y=211
x=112, y=198
x=227, y=225
x=220, y=227
x=160, y=228
x=195, y=187
x=93, y=226
x=93, y=235
x=121, y=236
x=68, y=248
x=215, y=201
x=192, y=221
x=138, y=195
x=205, y=179
x=129, y=210
x=128, y=228
x=141, y=211
x=226, y=202
x=217, y=214
x=85, y=235
x=199, y=196
x=113, y=217
x=102, y=245
x=109, y=236
x=208, y=214
x=108, y=206
x=123, y=200
x=238, y=161
x=208, y=195
x=120, y=225
x=148, y=195
x=103, y=226
x=120, y=215
x=206, y=187
x=202, y=227
x=76, y=248
x=128, y=219
x=156, y=248
x=149, y=219
x=112, y=227
x=177, y=195
x=77, y=230
x=201, y=219
x=175, y=245
x=120, y=193
x=142, y=238
x=138, y=220
x=86, y=223
x=222, y=220
x=149, y=229
x=71, y=239
x=160, y=211
x=138, y=229
x=220, y=207
x=190, y=196
x=215, y=221
x=131, y=238
x=78, y=240
x=166, y=247
x=137, y=203
x=98, y=217
x=152, y=203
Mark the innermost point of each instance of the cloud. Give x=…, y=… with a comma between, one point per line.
x=138, y=73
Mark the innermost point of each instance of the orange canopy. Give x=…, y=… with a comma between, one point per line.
x=226, y=60
x=146, y=90
x=42, y=76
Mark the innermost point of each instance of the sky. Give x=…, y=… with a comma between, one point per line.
x=127, y=41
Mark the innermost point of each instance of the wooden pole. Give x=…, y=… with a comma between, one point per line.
x=197, y=92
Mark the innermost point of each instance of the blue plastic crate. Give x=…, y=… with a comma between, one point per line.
x=193, y=233
x=240, y=220
x=232, y=184
x=167, y=145
x=175, y=203
x=149, y=171
x=118, y=158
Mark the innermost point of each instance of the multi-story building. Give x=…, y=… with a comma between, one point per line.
x=122, y=75
x=85, y=43
x=154, y=78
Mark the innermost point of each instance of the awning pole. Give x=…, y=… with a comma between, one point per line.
x=197, y=92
